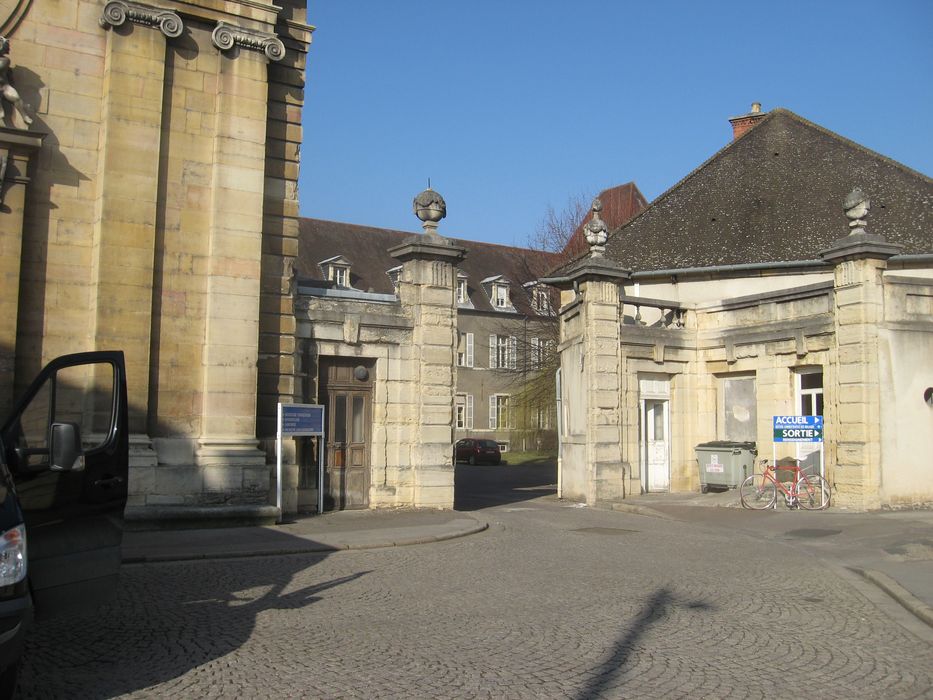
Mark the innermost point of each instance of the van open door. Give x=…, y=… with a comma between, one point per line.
x=66, y=445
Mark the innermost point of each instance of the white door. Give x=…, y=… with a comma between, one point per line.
x=656, y=449
x=810, y=403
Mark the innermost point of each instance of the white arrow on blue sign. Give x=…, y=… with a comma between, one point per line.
x=798, y=428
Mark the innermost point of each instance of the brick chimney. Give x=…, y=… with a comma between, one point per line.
x=745, y=122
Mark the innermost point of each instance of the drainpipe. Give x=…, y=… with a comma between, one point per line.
x=560, y=433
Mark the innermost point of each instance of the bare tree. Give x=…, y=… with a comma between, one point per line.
x=557, y=227
x=533, y=378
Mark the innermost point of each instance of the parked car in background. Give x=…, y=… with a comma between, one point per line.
x=477, y=451
x=64, y=462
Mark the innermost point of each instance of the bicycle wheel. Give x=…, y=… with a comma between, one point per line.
x=758, y=492
x=813, y=492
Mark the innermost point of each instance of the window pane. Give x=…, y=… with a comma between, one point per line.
x=84, y=395
x=740, y=409
x=340, y=418
x=811, y=380
x=34, y=421
x=658, y=413
x=357, y=416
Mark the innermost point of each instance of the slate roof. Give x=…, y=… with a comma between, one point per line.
x=366, y=247
x=620, y=203
x=775, y=194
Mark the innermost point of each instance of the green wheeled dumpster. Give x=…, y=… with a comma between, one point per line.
x=725, y=464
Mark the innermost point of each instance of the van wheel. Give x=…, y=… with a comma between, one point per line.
x=704, y=488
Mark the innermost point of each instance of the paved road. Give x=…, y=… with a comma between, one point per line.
x=550, y=602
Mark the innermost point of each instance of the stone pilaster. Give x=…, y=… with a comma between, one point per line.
x=601, y=375
x=127, y=196
x=427, y=293
x=16, y=149
x=277, y=327
x=860, y=261
x=227, y=448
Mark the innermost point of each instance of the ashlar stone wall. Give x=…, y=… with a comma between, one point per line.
x=869, y=330
x=159, y=217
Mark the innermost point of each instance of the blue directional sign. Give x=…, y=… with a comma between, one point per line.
x=300, y=419
x=798, y=428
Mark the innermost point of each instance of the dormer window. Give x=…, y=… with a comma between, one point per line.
x=462, y=291
x=500, y=297
x=541, y=300
x=336, y=270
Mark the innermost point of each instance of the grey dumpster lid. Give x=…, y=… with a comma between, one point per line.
x=727, y=444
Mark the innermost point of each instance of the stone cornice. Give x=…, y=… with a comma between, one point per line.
x=117, y=12
x=860, y=245
x=225, y=36
x=428, y=247
x=585, y=269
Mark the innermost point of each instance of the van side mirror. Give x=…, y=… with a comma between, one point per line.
x=65, y=448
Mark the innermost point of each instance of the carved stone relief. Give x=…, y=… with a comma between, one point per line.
x=225, y=36
x=116, y=12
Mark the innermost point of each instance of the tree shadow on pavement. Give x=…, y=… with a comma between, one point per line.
x=656, y=608
x=167, y=620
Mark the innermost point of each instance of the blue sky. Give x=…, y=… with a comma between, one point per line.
x=510, y=106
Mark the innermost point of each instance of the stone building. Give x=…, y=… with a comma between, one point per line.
x=149, y=205
x=743, y=293
x=355, y=319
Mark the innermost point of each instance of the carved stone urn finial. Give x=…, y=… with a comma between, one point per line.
x=430, y=207
x=856, y=206
x=596, y=231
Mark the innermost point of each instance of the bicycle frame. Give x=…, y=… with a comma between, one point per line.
x=759, y=491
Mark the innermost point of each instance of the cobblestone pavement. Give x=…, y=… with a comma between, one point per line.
x=551, y=602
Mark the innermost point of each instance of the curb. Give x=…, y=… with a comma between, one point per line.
x=906, y=599
x=640, y=510
x=315, y=548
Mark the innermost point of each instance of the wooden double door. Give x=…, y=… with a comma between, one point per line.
x=346, y=387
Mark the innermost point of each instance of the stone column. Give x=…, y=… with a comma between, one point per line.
x=16, y=150
x=601, y=376
x=228, y=450
x=860, y=260
x=427, y=293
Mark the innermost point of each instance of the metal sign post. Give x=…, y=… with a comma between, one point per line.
x=299, y=420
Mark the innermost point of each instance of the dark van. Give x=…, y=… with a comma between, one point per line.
x=64, y=460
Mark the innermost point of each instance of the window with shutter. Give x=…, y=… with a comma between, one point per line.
x=469, y=411
x=492, y=412
x=492, y=352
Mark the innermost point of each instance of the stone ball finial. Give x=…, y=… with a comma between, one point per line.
x=429, y=206
x=596, y=231
x=856, y=206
